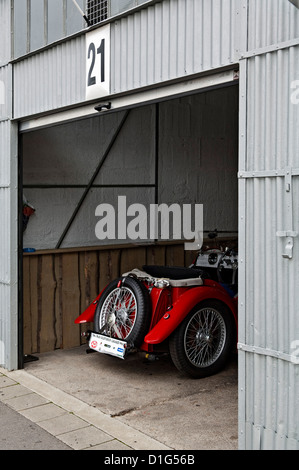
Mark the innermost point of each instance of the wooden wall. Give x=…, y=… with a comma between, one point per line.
x=59, y=284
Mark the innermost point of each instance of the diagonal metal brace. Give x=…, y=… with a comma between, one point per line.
x=99, y=166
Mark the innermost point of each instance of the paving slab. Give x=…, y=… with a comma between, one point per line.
x=24, y=402
x=19, y=433
x=43, y=412
x=76, y=417
x=85, y=438
x=139, y=404
x=62, y=424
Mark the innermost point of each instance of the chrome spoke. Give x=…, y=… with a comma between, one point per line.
x=119, y=312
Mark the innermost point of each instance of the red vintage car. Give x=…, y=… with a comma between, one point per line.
x=191, y=311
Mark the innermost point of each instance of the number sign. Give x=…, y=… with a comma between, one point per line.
x=98, y=63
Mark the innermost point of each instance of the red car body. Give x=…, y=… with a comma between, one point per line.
x=171, y=303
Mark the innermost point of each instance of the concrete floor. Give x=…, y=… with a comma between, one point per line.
x=152, y=398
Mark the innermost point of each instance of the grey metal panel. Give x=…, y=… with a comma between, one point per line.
x=5, y=91
x=168, y=40
x=271, y=22
x=268, y=316
x=272, y=135
x=172, y=39
x=51, y=79
x=4, y=152
x=4, y=325
x=272, y=411
x=9, y=252
x=5, y=140
x=5, y=113
x=4, y=237
x=8, y=202
x=5, y=32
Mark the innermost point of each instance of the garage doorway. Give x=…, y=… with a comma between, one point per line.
x=183, y=150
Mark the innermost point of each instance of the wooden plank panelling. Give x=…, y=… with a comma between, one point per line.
x=109, y=267
x=175, y=255
x=33, y=302
x=70, y=301
x=155, y=255
x=58, y=285
x=27, y=306
x=46, y=315
x=132, y=258
x=88, y=272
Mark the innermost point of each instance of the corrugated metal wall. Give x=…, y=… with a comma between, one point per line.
x=8, y=203
x=50, y=79
x=151, y=46
x=269, y=190
x=271, y=22
x=172, y=39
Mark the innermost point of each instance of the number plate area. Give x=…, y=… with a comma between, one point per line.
x=107, y=345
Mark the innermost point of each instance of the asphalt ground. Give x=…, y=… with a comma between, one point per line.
x=19, y=433
x=71, y=400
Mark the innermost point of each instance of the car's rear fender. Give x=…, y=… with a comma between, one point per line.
x=183, y=305
x=88, y=314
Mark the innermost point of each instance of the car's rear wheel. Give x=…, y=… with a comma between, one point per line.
x=201, y=345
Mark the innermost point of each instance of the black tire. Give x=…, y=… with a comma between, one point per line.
x=202, y=343
x=125, y=311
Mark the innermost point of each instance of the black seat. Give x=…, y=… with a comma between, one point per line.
x=173, y=272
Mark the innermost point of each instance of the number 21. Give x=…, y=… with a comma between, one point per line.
x=91, y=80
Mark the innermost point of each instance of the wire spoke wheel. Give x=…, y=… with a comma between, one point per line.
x=201, y=345
x=119, y=313
x=204, y=337
x=123, y=311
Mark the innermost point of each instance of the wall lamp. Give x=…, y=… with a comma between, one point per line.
x=103, y=107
